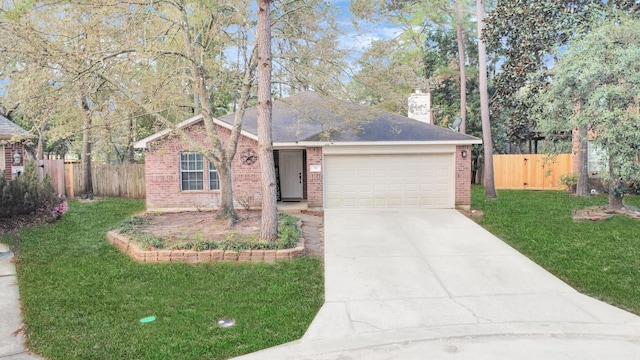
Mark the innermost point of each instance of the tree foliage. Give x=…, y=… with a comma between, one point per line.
x=121, y=70
x=524, y=33
x=425, y=54
x=601, y=73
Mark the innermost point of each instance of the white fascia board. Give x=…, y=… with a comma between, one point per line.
x=289, y=145
x=390, y=149
x=143, y=144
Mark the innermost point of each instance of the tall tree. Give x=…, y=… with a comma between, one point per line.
x=85, y=112
x=184, y=42
x=525, y=33
x=306, y=48
x=601, y=71
x=51, y=48
x=489, y=185
x=462, y=65
x=384, y=80
x=269, y=219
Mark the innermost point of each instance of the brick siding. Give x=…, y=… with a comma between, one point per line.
x=8, y=158
x=162, y=173
x=314, y=179
x=463, y=177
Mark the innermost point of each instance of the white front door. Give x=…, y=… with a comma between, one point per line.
x=291, y=169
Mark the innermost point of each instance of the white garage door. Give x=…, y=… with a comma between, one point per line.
x=403, y=180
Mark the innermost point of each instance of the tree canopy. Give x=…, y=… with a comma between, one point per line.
x=596, y=84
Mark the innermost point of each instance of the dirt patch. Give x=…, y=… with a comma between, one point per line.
x=596, y=213
x=194, y=226
x=472, y=214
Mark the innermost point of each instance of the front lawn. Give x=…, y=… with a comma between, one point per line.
x=600, y=259
x=83, y=299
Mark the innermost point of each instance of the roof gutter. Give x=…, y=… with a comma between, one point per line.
x=373, y=143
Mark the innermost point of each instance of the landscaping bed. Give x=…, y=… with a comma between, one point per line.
x=83, y=299
x=196, y=237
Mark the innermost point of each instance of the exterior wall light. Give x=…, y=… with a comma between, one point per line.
x=17, y=158
x=464, y=154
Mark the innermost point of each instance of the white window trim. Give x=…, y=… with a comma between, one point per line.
x=182, y=171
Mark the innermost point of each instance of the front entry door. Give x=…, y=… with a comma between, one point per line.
x=291, y=169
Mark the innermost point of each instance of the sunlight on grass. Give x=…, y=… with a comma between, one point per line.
x=83, y=299
x=600, y=259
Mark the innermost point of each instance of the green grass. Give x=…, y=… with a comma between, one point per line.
x=83, y=299
x=600, y=259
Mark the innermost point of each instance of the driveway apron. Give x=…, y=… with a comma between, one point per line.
x=415, y=284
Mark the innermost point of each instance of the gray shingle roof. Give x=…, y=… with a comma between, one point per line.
x=9, y=129
x=310, y=116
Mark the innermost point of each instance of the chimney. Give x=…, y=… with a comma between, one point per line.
x=420, y=105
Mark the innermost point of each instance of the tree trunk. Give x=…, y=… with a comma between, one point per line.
x=225, y=208
x=130, y=141
x=269, y=222
x=582, y=188
x=489, y=184
x=86, y=149
x=40, y=154
x=463, y=70
x=615, y=187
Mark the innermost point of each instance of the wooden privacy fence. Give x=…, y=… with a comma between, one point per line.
x=116, y=180
x=530, y=171
x=55, y=170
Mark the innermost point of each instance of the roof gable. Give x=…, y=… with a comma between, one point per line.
x=9, y=129
x=142, y=144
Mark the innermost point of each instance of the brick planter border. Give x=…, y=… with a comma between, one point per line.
x=124, y=244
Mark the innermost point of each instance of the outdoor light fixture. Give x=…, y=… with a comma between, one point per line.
x=17, y=158
x=464, y=154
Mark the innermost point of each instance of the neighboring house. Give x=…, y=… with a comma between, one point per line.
x=328, y=153
x=11, y=147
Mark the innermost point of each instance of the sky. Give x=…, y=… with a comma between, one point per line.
x=367, y=32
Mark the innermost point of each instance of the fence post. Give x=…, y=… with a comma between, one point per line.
x=68, y=179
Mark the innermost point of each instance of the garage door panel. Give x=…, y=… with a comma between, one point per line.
x=403, y=180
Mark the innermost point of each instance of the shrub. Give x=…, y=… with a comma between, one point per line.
x=570, y=181
x=288, y=230
x=150, y=241
x=26, y=194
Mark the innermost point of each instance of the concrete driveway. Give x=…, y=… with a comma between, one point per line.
x=415, y=284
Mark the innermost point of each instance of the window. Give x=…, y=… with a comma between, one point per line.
x=214, y=180
x=191, y=171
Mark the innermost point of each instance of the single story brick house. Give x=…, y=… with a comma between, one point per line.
x=329, y=153
x=12, y=152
